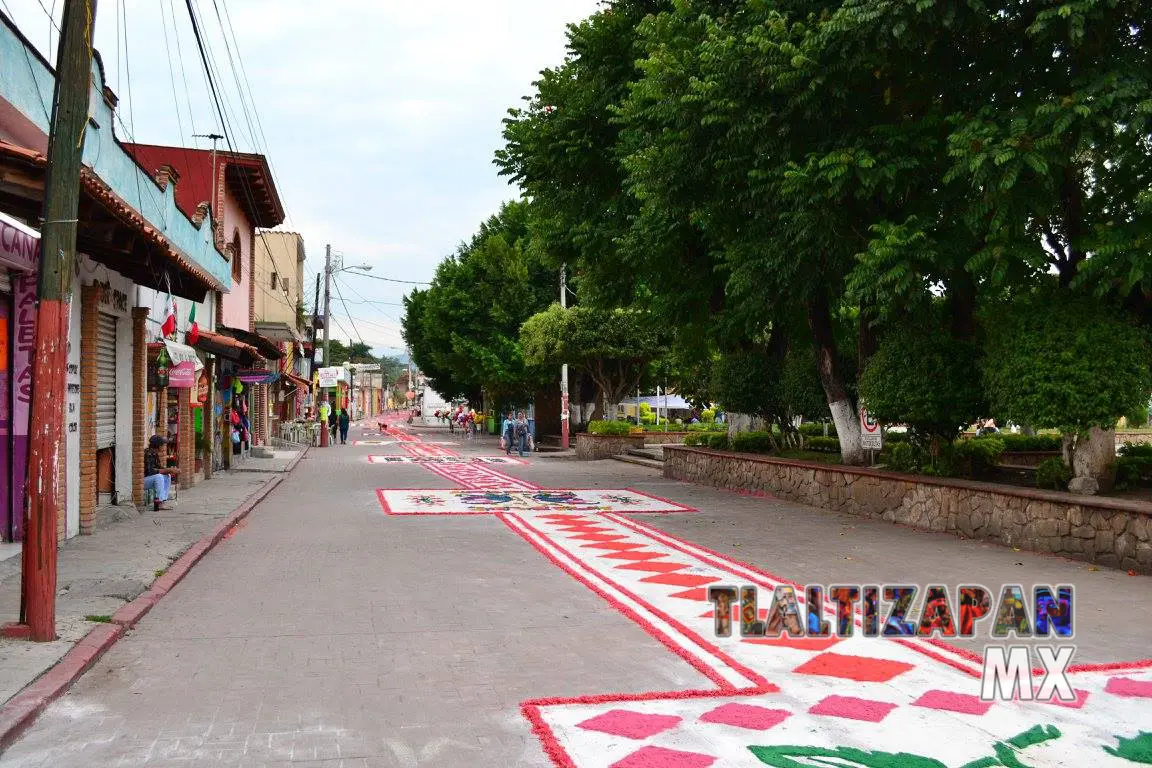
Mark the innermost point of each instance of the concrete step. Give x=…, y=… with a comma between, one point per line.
x=650, y=463
x=652, y=453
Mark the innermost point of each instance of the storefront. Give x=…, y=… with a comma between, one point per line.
x=230, y=410
x=19, y=255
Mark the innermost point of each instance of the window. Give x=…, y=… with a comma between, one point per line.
x=275, y=282
x=236, y=258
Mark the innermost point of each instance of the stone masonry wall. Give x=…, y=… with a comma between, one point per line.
x=663, y=438
x=603, y=446
x=1111, y=532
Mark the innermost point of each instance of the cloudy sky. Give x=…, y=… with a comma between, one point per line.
x=379, y=117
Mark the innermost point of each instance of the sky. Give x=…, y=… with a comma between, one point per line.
x=379, y=117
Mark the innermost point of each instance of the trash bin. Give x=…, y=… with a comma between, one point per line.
x=491, y=424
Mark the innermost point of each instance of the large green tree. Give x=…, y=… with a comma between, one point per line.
x=464, y=329
x=614, y=347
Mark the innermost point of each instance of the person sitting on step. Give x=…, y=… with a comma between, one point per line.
x=157, y=478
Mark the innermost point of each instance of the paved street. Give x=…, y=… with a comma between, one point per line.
x=351, y=623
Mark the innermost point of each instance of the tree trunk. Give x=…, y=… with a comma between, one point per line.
x=831, y=379
x=1092, y=458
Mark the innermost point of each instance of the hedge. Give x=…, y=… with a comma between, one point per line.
x=752, y=442
x=609, y=428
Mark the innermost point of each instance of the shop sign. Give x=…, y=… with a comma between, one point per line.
x=110, y=297
x=19, y=244
x=182, y=376
x=329, y=377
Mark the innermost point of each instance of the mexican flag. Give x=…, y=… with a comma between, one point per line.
x=193, y=329
x=169, y=326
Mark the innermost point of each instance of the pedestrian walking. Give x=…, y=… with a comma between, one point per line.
x=157, y=478
x=521, y=433
x=507, y=429
x=345, y=422
x=333, y=423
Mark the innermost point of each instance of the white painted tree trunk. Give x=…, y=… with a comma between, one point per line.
x=1091, y=458
x=848, y=430
x=742, y=422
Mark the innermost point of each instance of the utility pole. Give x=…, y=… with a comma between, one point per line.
x=215, y=137
x=327, y=298
x=564, y=368
x=53, y=298
x=315, y=307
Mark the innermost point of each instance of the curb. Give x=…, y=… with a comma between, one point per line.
x=22, y=709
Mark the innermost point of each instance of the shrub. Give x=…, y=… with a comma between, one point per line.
x=717, y=441
x=903, y=457
x=1053, y=474
x=648, y=418
x=609, y=428
x=976, y=457
x=694, y=438
x=752, y=442
x=895, y=437
x=1132, y=471
x=1136, y=449
x=1029, y=442
x=823, y=444
x=702, y=427
x=645, y=409
x=708, y=416
x=816, y=429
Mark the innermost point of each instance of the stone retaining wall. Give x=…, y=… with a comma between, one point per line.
x=663, y=438
x=1112, y=532
x=604, y=446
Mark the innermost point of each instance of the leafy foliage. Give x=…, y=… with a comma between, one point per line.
x=1065, y=363
x=464, y=329
x=609, y=428
x=1053, y=474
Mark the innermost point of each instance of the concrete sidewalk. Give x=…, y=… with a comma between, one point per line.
x=98, y=574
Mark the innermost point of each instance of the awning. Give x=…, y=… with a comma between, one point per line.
x=182, y=353
x=227, y=347
x=268, y=349
x=670, y=402
x=300, y=383
x=257, y=376
x=19, y=245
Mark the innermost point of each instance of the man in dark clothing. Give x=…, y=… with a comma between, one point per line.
x=157, y=477
x=345, y=421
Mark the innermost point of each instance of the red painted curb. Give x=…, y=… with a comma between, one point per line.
x=22, y=709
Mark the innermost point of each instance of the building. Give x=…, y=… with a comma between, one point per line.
x=279, y=315
x=238, y=190
x=132, y=237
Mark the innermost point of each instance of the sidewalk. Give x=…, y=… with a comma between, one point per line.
x=100, y=573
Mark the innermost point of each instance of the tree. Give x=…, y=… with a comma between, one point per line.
x=1067, y=363
x=922, y=377
x=464, y=329
x=614, y=347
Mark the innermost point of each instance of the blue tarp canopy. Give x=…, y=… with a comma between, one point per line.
x=663, y=402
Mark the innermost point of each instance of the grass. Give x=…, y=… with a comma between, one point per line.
x=160, y=572
x=99, y=619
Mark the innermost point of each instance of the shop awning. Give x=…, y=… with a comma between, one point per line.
x=226, y=347
x=257, y=376
x=268, y=349
x=300, y=383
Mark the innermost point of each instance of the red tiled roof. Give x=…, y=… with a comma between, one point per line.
x=95, y=187
x=216, y=344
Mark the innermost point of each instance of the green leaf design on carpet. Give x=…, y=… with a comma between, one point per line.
x=1135, y=750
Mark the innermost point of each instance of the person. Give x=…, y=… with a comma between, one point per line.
x=345, y=421
x=157, y=477
x=506, y=432
x=520, y=433
x=333, y=423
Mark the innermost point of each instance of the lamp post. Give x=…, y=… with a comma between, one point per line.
x=329, y=271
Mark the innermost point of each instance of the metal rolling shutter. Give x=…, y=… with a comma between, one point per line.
x=105, y=381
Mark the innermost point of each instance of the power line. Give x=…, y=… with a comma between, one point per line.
x=394, y=280
x=341, y=295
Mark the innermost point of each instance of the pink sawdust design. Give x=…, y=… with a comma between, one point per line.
x=652, y=567
x=747, y=716
x=630, y=725
x=659, y=757
x=962, y=703
x=853, y=708
x=858, y=668
x=1126, y=686
x=632, y=554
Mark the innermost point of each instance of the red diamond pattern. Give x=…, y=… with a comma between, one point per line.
x=746, y=716
x=659, y=757
x=859, y=668
x=630, y=725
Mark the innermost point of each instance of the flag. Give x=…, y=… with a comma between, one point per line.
x=169, y=326
x=193, y=329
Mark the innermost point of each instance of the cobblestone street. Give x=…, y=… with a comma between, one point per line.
x=350, y=621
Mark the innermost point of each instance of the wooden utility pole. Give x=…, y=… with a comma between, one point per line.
x=564, y=412
x=53, y=299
